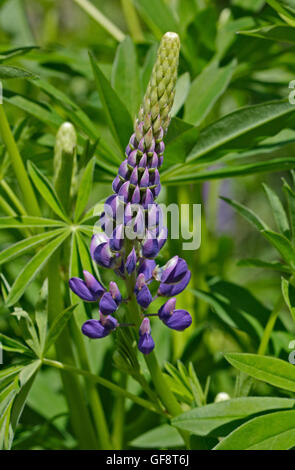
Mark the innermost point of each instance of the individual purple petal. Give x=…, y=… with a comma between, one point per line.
x=144, y=297
x=154, y=161
x=123, y=169
x=131, y=261
x=160, y=147
x=94, y=329
x=161, y=159
x=97, y=240
x=111, y=206
x=108, y=321
x=128, y=213
x=179, y=320
x=155, y=179
x=132, y=158
x=107, y=304
x=103, y=256
x=162, y=238
x=117, y=239
x=157, y=190
x=124, y=191
x=150, y=247
x=145, y=179
x=167, y=309
x=147, y=199
x=138, y=223
x=134, y=176
x=146, y=268
x=141, y=146
x=143, y=161
x=169, y=290
x=174, y=269
x=136, y=196
x=79, y=287
x=117, y=183
x=146, y=344
x=115, y=293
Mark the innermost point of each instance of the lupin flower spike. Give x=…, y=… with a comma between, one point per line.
x=132, y=222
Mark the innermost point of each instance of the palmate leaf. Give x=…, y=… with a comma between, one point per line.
x=10, y=344
x=205, y=91
x=248, y=214
x=15, y=383
x=274, y=371
x=274, y=431
x=258, y=263
x=18, y=51
x=282, y=245
x=118, y=117
x=290, y=197
x=242, y=129
x=31, y=269
x=211, y=419
x=182, y=88
x=21, y=247
x=28, y=221
x=47, y=191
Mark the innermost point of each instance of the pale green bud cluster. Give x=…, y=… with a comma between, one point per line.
x=158, y=100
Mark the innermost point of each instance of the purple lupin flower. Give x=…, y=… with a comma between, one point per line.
x=132, y=222
x=146, y=343
x=89, y=290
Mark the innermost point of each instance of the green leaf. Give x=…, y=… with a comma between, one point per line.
x=47, y=191
x=125, y=76
x=7, y=72
x=28, y=221
x=164, y=436
x=181, y=139
x=117, y=116
x=58, y=325
x=258, y=263
x=182, y=88
x=191, y=173
x=288, y=291
x=274, y=431
x=31, y=269
x=41, y=112
x=282, y=33
x=84, y=190
x=248, y=214
x=268, y=369
x=282, y=245
x=157, y=15
x=10, y=344
x=206, y=419
x=75, y=113
x=205, y=90
x=277, y=210
x=242, y=129
x=290, y=197
x=21, y=247
x=18, y=51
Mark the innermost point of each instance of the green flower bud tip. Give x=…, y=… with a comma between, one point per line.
x=158, y=100
x=66, y=139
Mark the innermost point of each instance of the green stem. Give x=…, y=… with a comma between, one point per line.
x=104, y=382
x=119, y=417
x=14, y=199
x=270, y=326
x=132, y=20
x=30, y=200
x=167, y=397
x=101, y=19
x=79, y=414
